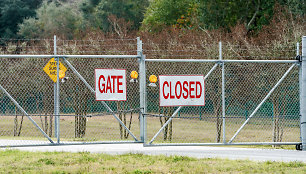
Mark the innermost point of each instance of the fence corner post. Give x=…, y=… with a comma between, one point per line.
x=303, y=94
x=142, y=90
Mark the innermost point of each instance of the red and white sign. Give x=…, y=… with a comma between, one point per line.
x=110, y=84
x=181, y=90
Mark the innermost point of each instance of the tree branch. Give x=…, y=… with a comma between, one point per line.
x=254, y=15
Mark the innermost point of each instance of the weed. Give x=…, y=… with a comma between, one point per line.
x=46, y=161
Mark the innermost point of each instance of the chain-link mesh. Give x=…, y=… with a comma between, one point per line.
x=27, y=83
x=26, y=46
x=97, y=47
x=82, y=118
x=281, y=51
x=91, y=120
x=191, y=124
x=246, y=85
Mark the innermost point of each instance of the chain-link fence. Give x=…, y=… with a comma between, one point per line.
x=246, y=101
x=249, y=99
x=29, y=94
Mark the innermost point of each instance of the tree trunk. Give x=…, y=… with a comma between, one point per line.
x=17, y=127
x=218, y=122
x=80, y=106
x=51, y=125
x=279, y=111
x=120, y=117
x=126, y=133
x=168, y=129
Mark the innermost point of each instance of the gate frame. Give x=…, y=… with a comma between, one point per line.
x=57, y=57
x=57, y=96
x=303, y=94
x=301, y=63
x=302, y=81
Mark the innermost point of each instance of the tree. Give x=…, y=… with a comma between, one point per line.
x=52, y=19
x=215, y=14
x=97, y=12
x=218, y=13
x=295, y=7
x=12, y=12
x=163, y=13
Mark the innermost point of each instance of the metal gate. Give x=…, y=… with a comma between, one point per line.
x=38, y=110
x=248, y=102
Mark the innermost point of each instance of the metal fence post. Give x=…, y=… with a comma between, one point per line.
x=303, y=94
x=55, y=118
x=142, y=88
x=300, y=78
x=223, y=92
x=144, y=93
x=56, y=95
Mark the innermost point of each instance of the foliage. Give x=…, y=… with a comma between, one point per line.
x=12, y=12
x=70, y=18
x=52, y=19
x=295, y=7
x=215, y=14
x=225, y=14
x=167, y=12
x=97, y=13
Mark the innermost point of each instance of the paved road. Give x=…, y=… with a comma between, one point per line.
x=191, y=151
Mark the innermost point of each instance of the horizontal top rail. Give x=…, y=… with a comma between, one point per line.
x=151, y=60
x=100, y=40
x=221, y=61
x=69, y=56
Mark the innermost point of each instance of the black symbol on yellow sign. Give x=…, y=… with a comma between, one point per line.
x=50, y=69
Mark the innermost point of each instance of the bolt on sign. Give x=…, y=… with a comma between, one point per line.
x=51, y=69
x=110, y=84
x=181, y=90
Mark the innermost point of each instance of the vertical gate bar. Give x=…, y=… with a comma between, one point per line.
x=55, y=91
x=297, y=48
x=143, y=96
x=223, y=92
x=56, y=99
x=303, y=95
x=55, y=119
x=300, y=84
x=141, y=88
x=262, y=102
x=144, y=99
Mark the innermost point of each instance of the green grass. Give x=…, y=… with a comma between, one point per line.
x=13, y=161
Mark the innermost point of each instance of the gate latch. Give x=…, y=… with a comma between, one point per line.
x=299, y=58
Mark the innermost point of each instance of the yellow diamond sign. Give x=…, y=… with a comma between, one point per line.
x=50, y=69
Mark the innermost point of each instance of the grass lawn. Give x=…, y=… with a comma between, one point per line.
x=14, y=161
x=106, y=128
